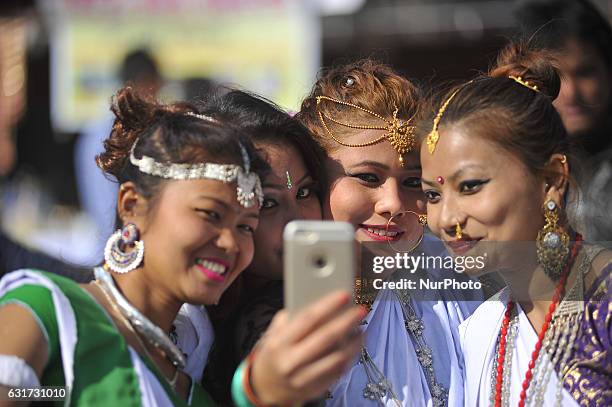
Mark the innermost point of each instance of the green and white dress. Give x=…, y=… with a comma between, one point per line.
x=87, y=353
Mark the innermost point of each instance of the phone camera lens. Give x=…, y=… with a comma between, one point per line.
x=320, y=262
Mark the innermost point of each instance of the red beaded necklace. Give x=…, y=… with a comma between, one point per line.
x=501, y=355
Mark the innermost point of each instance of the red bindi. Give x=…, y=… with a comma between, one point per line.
x=440, y=180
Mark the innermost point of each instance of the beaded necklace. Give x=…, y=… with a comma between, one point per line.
x=544, y=338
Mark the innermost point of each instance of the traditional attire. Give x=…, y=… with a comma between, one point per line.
x=587, y=379
x=87, y=353
x=403, y=345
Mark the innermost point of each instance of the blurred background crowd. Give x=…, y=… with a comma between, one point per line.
x=62, y=60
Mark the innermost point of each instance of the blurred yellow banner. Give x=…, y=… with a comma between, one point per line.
x=271, y=47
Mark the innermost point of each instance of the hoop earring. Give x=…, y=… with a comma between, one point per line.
x=421, y=220
x=552, y=243
x=115, y=255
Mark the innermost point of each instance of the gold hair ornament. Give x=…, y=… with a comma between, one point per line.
x=398, y=132
x=434, y=135
x=525, y=83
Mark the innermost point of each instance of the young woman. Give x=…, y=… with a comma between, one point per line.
x=496, y=175
x=364, y=116
x=188, y=207
x=291, y=191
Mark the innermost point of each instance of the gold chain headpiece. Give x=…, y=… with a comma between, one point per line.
x=398, y=132
x=434, y=136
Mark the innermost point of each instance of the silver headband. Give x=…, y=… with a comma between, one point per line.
x=248, y=190
x=204, y=117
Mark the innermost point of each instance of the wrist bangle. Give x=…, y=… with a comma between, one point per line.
x=246, y=382
x=238, y=395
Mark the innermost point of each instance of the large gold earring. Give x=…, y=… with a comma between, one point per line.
x=364, y=295
x=423, y=219
x=552, y=243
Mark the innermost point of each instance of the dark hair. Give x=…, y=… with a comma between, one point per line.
x=167, y=133
x=195, y=87
x=556, y=21
x=366, y=83
x=266, y=123
x=519, y=119
x=138, y=64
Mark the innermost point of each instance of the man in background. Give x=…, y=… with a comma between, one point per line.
x=582, y=38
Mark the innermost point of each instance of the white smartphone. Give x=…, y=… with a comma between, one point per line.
x=319, y=257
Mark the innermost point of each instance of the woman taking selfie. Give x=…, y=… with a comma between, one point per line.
x=187, y=207
x=291, y=190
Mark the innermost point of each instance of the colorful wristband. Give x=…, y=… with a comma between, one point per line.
x=238, y=394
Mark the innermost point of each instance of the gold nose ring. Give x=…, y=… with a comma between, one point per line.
x=458, y=231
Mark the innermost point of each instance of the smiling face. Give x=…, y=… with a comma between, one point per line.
x=584, y=99
x=488, y=191
x=289, y=193
x=368, y=186
x=198, y=238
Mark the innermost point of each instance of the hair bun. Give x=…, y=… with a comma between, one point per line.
x=536, y=66
x=133, y=115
